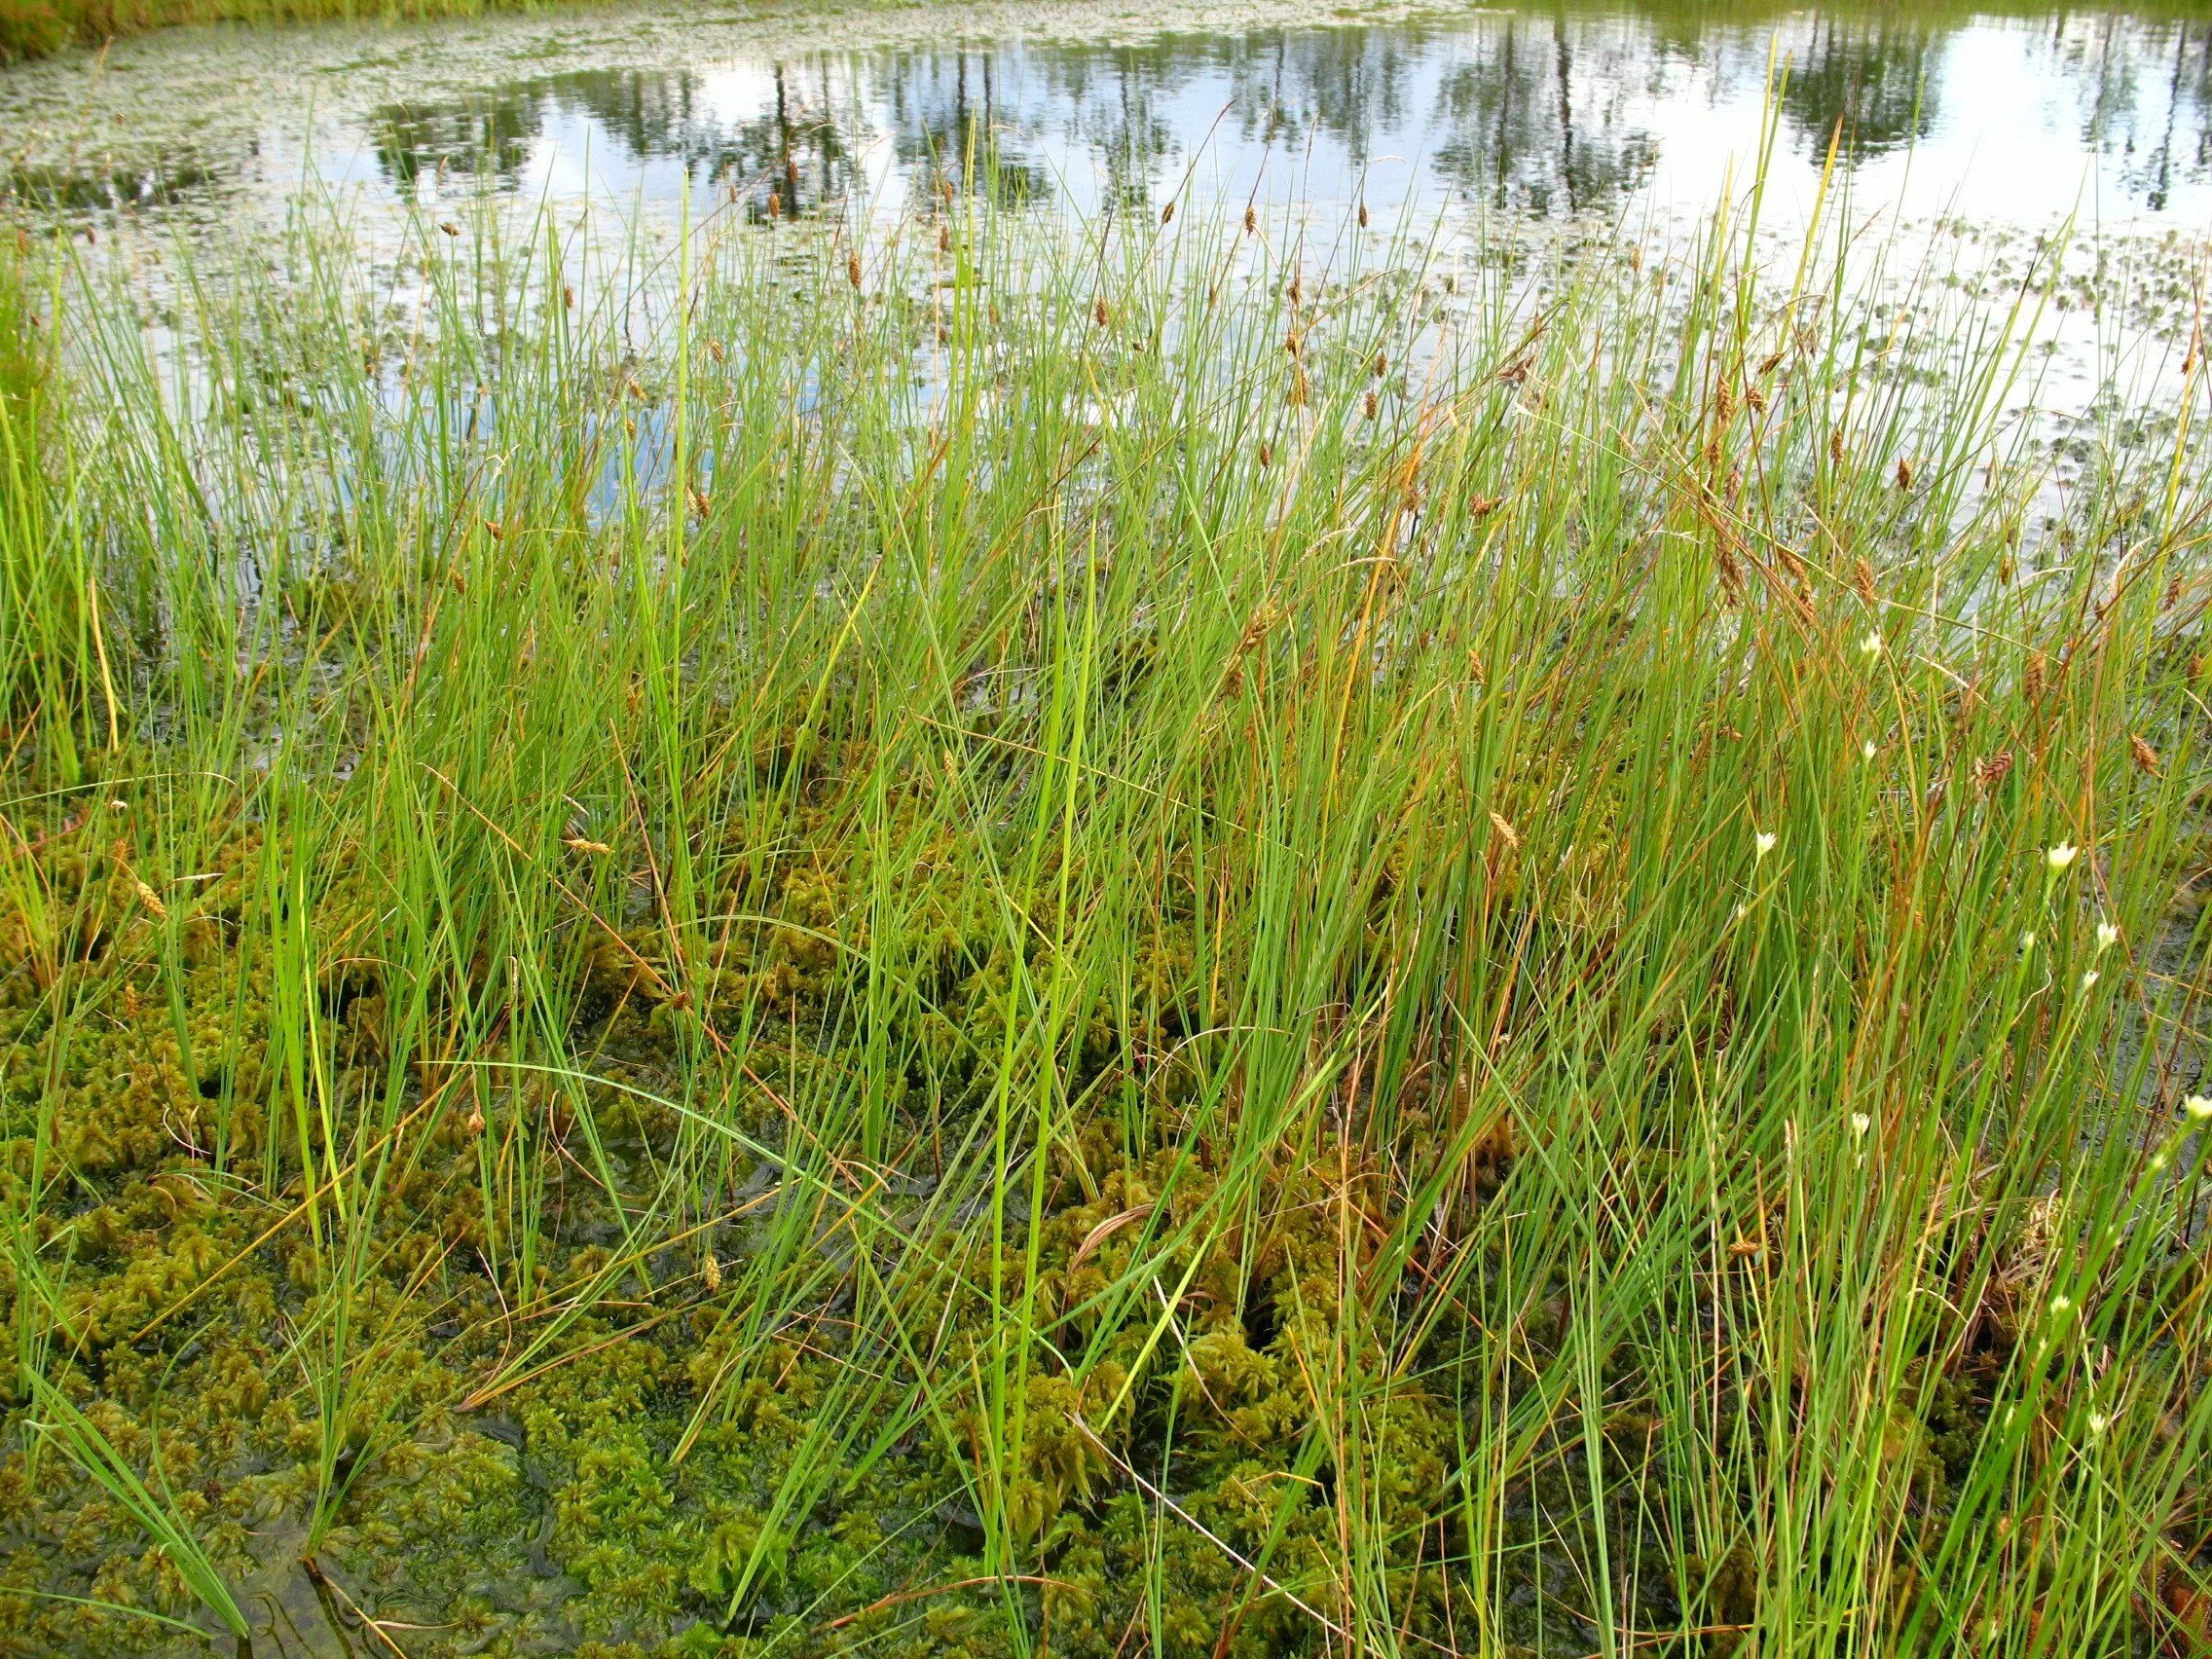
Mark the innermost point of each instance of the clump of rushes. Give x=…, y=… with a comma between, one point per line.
x=829, y=981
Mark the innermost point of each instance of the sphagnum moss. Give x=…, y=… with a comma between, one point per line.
x=883, y=967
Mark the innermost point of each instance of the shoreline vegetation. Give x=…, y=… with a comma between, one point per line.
x=39, y=29
x=1038, y=937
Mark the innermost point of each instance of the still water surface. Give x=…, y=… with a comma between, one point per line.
x=2010, y=120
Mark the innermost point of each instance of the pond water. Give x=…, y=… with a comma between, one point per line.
x=2014, y=119
x=1961, y=137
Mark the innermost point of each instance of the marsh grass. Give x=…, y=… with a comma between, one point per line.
x=1098, y=938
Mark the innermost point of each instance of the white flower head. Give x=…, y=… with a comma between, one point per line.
x=1860, y=1123
x=2061, y=1304
x=1762, y=843
x=2199, y=1107
x=1742, y=910
x=2027, y=942
x=2088, y=979
x=2060, y=856
x=2108, y=936
x=2098, y=1423
x=1871, y=644
x=1866, y=749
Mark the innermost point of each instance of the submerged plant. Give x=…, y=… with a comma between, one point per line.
x=96, y=1456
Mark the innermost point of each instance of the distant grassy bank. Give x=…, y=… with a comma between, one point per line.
x=34, y=28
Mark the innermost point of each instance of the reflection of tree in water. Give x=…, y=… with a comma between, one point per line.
x=1113, y=100
x=1536, y=120
x=1537, y=117
x=793, y=147
x=1345, y=83
x=2148, y=93
x=795, y=151
x=2145, y=85
x=1537, y=109
x=1131, y=107
x=1870, y=75
x=488, y=133
x=66, y=190
x=948, y=125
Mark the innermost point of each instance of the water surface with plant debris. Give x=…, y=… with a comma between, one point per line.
x=1971, y=136
x=2010, y=118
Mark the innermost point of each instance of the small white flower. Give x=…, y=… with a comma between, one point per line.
x=1742, y=910
x=2108, y=936
x=2199, y=1107
x=1860, y=1123
x=2098, y=1423
x=1871, y=644
x=1866, y=749
x=2159, y=1161
x=2027, y=942
x=2060, y=856
x=2088, y=979
x=1763, y=844
x=2061, y=1304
